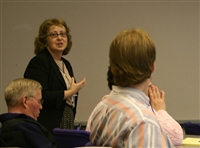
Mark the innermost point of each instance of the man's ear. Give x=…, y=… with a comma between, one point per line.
x=153, y=67
x=25, y=101
x=112, y=70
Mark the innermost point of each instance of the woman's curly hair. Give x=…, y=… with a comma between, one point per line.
x=41, y=39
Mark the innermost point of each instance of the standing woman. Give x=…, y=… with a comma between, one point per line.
x=60, y=91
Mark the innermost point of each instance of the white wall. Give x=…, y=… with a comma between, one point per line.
x=173, y=25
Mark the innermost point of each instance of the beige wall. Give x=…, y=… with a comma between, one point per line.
x=174, y=26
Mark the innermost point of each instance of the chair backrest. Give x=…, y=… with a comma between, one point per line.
x=191, y=128
x=70, y=138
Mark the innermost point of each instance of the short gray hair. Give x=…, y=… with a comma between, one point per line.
x=18, y=88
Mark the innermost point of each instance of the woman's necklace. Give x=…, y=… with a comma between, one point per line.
x=63, y=71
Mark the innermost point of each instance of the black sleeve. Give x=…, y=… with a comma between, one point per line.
x=39, y=69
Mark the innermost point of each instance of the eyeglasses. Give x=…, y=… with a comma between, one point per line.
x=55, y=34
x=39, y=101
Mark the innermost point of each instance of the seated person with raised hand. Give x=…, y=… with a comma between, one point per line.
x=124, y=119
x=157, y=99
x=172, y=128
x=19, y=126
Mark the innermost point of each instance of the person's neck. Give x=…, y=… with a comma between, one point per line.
x=56, y=55
x=144, y=86
x=14, y=110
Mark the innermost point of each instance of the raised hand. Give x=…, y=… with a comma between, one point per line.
x=75, y=87
x=157, y=98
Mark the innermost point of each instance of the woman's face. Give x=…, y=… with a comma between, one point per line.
x=56, y=39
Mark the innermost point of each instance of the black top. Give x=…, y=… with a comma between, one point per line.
x=23, y=131
x=44, y=69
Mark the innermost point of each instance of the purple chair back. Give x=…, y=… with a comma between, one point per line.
x=70, y=138
x=192, y=128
